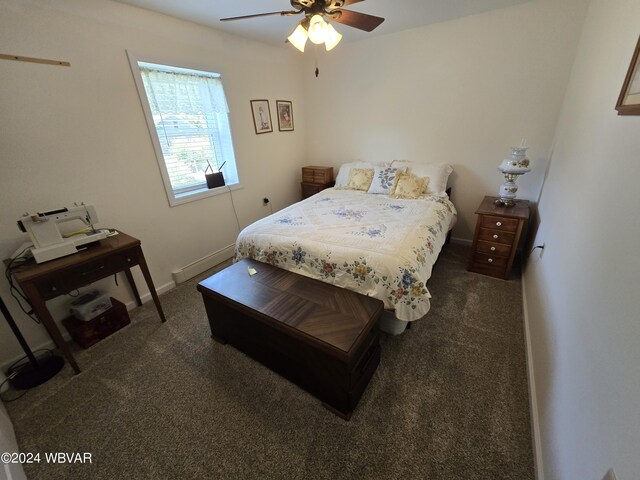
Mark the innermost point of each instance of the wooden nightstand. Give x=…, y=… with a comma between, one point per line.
x=498, y=233
x=315, y=179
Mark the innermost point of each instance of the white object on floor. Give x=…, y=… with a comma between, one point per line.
x=8, y=444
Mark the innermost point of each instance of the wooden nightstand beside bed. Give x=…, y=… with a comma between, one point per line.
x=315, y=179
x=498, y=233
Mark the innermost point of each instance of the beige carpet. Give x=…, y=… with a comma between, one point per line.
x=448, y=401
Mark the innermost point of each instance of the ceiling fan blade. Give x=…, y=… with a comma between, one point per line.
x=358, y=20
x=285, y=13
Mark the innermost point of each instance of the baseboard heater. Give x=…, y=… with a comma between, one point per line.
x=203, y=264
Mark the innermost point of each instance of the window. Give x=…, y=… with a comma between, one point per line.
x=188, y=119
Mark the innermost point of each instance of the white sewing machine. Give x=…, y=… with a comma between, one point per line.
x=49, y=243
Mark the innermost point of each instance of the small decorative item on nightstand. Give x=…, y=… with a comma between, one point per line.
x=315, y=179
x=498, y=233
x=514, y=166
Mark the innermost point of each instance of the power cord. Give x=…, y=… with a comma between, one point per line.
x=14, y=263
x=234, y=208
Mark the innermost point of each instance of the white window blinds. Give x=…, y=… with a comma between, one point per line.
x=190, y=115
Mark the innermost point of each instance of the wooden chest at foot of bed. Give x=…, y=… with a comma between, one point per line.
x=323, y=338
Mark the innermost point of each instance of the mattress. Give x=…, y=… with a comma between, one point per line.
x=372, y=244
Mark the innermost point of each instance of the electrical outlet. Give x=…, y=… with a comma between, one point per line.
x=610, y=475
x=537, y=251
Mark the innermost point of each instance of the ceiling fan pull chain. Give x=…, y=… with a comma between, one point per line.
x=315, y=55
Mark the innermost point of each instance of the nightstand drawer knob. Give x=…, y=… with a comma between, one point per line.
x=498, y=224
x=490, y=260
x=495, y=236
x=493, y=249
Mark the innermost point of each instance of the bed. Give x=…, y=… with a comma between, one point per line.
x=371, y=243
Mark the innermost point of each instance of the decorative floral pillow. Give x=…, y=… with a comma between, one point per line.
x=438, y=174
x=342, y=179
x=360, y=179
x=384, y=178
x=409, y=186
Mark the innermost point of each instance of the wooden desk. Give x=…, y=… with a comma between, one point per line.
x=43, y=281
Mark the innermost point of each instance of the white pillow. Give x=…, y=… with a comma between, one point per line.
x=384, y=179
x=342, y=179
x=438, y=174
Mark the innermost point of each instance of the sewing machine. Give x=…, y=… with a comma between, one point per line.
x=49, y=243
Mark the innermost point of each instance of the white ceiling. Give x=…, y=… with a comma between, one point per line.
x=398, y=14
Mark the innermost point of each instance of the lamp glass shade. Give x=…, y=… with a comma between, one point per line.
x=299, y=38
x=332, y=37
x=317, y=29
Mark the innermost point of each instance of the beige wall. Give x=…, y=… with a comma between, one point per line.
x=460, y=92
x=582, y=294
x=79, y=134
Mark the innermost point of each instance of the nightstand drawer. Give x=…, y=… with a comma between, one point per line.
x=487, y=269
x=493, y=249
x=318, y=175
x=493, y=261
x=499, y=223
x=495, y=236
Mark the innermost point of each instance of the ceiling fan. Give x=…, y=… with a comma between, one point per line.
x=314, y=27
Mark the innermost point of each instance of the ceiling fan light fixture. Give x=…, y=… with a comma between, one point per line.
x=317, y=29
x=332, y=37
x=299, y=38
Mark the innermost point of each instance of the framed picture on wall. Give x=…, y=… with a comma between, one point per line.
x=261, y=116
x=285, y=115
x=629, y=99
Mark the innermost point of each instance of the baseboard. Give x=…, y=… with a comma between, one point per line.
x=147, y=296
x=203, y=264
x=462, y=241
x=533, y=402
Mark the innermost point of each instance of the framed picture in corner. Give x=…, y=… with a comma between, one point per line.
x=629, y=99
x=285, y=115
x=261, y=116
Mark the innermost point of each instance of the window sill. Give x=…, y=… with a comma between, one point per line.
x=201, y=193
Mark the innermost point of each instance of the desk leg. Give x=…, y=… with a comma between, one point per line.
x=132, y=284
x=147, y=276
x=41, y=310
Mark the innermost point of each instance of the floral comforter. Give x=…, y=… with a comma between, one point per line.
x=372, y=244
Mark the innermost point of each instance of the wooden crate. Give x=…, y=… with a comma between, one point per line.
x=91, y=332
x=317, y=175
